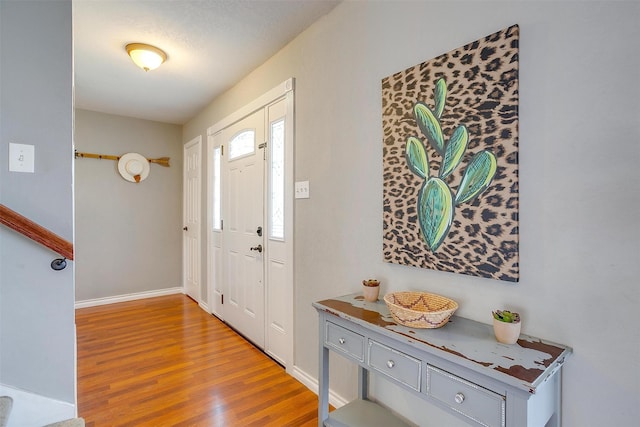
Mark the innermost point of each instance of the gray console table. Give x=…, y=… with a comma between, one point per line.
x=459, y=367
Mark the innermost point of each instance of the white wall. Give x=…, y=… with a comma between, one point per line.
x=579, y=198
x=37, y=331
x=128, y=236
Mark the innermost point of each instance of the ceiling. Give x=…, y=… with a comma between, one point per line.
x=211, y=45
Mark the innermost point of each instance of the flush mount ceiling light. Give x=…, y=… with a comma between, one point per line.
x=146, y=56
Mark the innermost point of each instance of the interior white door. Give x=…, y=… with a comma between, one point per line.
x=243, y=193
x=191, y=218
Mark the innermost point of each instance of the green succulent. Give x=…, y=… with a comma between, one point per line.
x=506, y=316
x=436, y=200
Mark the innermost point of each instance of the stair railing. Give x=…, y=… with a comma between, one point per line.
x=39, y=234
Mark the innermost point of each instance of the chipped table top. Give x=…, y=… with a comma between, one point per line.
x=526, y=364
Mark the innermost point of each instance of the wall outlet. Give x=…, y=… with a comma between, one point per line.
x=21, y=158
x=302, y=190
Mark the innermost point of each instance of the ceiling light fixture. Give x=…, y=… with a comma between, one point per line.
x=146, y=56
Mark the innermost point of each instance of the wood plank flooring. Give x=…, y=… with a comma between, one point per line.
x=165, y=362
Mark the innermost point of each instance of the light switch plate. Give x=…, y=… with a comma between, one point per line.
x=21, y=158
x=302, y=190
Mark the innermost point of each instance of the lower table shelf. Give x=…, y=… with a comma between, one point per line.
x=363, y=413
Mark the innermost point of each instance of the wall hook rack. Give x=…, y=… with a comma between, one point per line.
x=162, y=161
x=132, y=166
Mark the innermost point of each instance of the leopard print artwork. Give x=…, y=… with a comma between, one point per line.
x=482, y=85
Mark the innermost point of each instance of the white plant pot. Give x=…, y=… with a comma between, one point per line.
x=506, y=333
x=371, y=293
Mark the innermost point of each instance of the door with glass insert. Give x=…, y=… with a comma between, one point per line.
x=244, y=247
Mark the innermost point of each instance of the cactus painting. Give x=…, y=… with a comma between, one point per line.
x=450, y=157
x=436, y=200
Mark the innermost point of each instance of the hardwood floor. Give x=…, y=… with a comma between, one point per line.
x=165, y=362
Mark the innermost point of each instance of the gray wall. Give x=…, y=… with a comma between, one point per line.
x=128, y=236
x=37, y=331
x=579, y=133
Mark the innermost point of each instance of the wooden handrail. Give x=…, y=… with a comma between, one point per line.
x=35, y=232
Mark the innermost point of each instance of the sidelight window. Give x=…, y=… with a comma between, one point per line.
x=276, y=214
x=217, y=211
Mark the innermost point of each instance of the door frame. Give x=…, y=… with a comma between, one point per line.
x=197, y=141
x=283, y=91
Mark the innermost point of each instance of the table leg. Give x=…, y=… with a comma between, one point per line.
x=323, y=386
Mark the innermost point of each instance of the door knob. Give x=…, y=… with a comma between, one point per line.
x=257, y=248
x=185, y=228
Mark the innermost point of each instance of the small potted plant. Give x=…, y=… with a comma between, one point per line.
x=506, y=326
x=371, y=289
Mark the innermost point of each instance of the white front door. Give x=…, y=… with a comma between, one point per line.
x=244, y=247
x=251, y=290
x=191, y=219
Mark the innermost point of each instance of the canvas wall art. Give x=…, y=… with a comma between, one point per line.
x=450, y=161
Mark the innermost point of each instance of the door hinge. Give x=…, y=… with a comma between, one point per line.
x=222, y=298
x=221, y=224
x=222, y=150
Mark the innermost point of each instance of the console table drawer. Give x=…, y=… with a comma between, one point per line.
x=477, y=403
x=344, y=341
x=397, y=365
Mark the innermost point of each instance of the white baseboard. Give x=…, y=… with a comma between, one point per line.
x=128, y=297
x=203, y=305
x=34, y=410
x=312, y=384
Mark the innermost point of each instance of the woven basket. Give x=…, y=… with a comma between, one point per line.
x=420, y=309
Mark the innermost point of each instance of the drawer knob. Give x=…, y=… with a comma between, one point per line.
x=390, y=364
x=342, y=340
x=459, y=398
